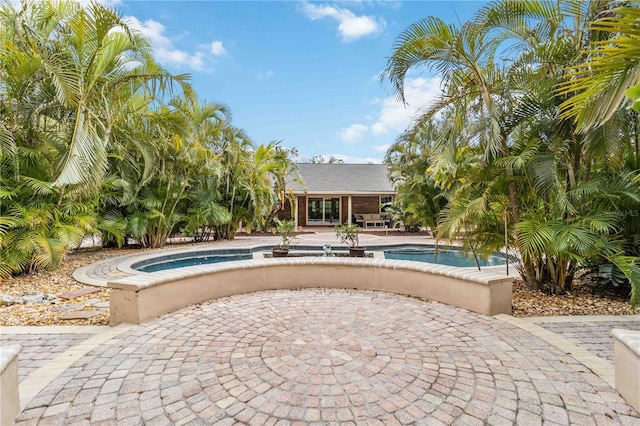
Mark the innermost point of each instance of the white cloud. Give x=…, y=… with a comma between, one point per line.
x=395, y=4
x=381, y=148
x=378, y=128
x=419, y=92
x=393, y=115
x=353, y=133
x=217, y=49
x=354, y=160
x=350, y=26
x=265, y=75
x=166, y=53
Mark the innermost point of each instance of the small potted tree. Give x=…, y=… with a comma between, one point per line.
x=287, y=231
x=348, y=234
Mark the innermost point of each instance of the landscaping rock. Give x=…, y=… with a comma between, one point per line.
x=67, y=308
x=78, y=293
x=101, y=305
x=6, y=300
x=37, y=298
x=584, y=299
x=53, y=282
x=91, y=302
x=73, y=315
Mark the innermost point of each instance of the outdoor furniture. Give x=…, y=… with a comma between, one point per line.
x=371, y=220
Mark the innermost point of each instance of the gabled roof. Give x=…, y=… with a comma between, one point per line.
x=326, y=178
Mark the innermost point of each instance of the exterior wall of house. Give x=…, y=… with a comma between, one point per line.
x=302, y=210
x=344, y=209
x=359, y=205
x=365, y=204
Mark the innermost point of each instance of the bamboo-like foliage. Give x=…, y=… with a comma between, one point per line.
x=599, y=84
x=504, y=154
x=93, y=139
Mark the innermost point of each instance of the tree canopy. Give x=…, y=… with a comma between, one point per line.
x=96, y=137
x=532, y=134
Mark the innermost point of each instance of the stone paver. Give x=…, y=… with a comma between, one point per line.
x=37, y=349
x=320, y=356
x=79, y=315
x=79, y=292
x=53, y=349
x=593, y=336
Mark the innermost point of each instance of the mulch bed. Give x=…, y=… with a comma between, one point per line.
x=59, y=282
x=586, y=298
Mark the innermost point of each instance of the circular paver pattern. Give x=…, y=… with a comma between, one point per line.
x=322, y=356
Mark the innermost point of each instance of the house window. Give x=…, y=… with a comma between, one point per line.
x=323, y=211
x=385, y=202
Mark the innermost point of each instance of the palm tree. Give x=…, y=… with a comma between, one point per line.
x=66, y=73
x=90, y=62
x=271, y=166
x=553, y=39
x=411, y=158
x=475, y=97
x=233, y=149
x=612, y=69
x=505, y=146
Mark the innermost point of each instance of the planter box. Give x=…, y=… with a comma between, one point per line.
x=356, y=251
x=279, y=252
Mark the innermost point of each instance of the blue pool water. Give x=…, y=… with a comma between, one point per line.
x=191, y=261
x=445, y=256
x=442, y=257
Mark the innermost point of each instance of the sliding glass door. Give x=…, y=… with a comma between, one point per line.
x=323, y=211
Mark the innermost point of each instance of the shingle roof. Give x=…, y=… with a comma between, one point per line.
x=342, y=178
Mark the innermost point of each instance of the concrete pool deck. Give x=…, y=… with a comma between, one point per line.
x=320, y=356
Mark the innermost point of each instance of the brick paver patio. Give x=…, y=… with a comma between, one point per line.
x=37, y=349
x=320, y=356
x=593, y=336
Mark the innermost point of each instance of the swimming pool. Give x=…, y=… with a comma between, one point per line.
x=417, y=253
x=164, y=264
x=449, y=256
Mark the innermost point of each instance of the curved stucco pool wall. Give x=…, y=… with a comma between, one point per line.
x=141, y=297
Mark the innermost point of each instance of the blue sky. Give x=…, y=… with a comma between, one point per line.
x=305, y=73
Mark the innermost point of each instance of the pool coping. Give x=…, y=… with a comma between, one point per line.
x=123, y=264
x=147, y=279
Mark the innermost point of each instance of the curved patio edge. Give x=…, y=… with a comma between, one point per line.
x=139, y=298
